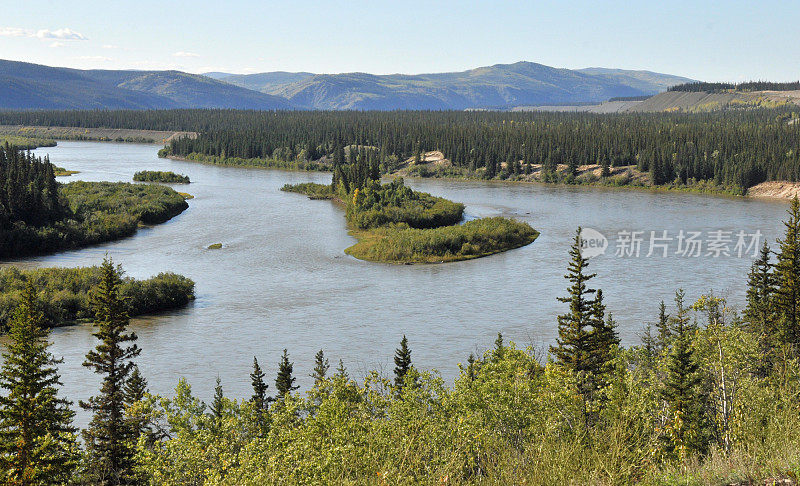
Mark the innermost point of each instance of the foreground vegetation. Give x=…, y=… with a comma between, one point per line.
x=395, y=224
x=160, y=176
x=65, y=293
x=39, y=215
x=709, y=396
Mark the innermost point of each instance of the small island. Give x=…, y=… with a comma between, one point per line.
x=395, y=224
x=39, y=215
x=160, y=176
x=67, y=293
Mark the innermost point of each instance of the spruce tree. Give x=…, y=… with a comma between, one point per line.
x=787, y=272
x=109, y=437
x=217, y=408
x=260, y=400
x=663, y=327
x=685, y=433
x=759, y=314
x=260, y=387
x=499, y=349
x=341, y=371
x=135, y=391
x=402, y=363
x=321, y=367
x=284, y=382
x=37, y=439
x=574, y=328
x=471, y=367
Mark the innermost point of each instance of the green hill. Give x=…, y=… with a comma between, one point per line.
x=33, y=86
x=498, y=86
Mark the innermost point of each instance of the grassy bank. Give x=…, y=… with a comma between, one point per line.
x=26, y=143
x=160, y=176
x=394, y=224
x=93, y=134
x=261, y=163
x=473, y=239
x=94, y=212
x=65, y=293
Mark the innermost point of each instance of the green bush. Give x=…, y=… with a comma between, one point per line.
x=65, y=293
x=379, y=205
x=160, y=176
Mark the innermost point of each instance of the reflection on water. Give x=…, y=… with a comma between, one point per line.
x=282, y=279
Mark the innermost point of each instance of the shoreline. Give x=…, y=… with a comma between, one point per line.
x=121, y=135
x=592, y=185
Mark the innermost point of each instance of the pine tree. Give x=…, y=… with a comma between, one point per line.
x=109, y=437
x=471, y=367
x=135, y=390
x=218, y=403
x=760, y=292
x=787, y=271
x=341, y=371
x=260, y=399
x=685, y=433
x=321, y=367
x=603, y=341
x=284, y=383
x=37, y=439
x=402, y=363
x=499, y=349
x=663, y=327
x=574, y=328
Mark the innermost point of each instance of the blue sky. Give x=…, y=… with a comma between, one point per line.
x=706, y=40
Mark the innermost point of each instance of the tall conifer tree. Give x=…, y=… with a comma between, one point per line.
x=402, y=363
x=109, y=437
x=284, y=383
x=37, y=439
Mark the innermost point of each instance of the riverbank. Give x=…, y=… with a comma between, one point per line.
x=64, y=293
x=297, y=165
x=92, y=134
x=95, y=212
x=625, y=177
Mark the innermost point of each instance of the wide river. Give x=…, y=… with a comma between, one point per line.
x=282, y=279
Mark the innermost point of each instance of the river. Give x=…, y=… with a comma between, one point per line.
x=282, y=279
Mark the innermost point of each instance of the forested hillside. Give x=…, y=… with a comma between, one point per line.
x=733, y=149
x=28, y=86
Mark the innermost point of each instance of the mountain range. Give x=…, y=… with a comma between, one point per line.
x=33, y=86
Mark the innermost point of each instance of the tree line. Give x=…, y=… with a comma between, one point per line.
x=733, y=148
x=743, y=86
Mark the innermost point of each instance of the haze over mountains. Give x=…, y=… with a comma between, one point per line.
x=33, y=86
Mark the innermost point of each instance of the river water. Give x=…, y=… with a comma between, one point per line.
x=282, y=279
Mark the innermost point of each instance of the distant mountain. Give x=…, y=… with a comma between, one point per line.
x=33, y=86
x=265, y=82
x=498, y=86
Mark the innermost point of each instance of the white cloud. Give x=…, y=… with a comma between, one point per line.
x=63, y=34
x=110, y=46
x=57, y=44
x=14, y=32
x=66, y=34
x=185, y=54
